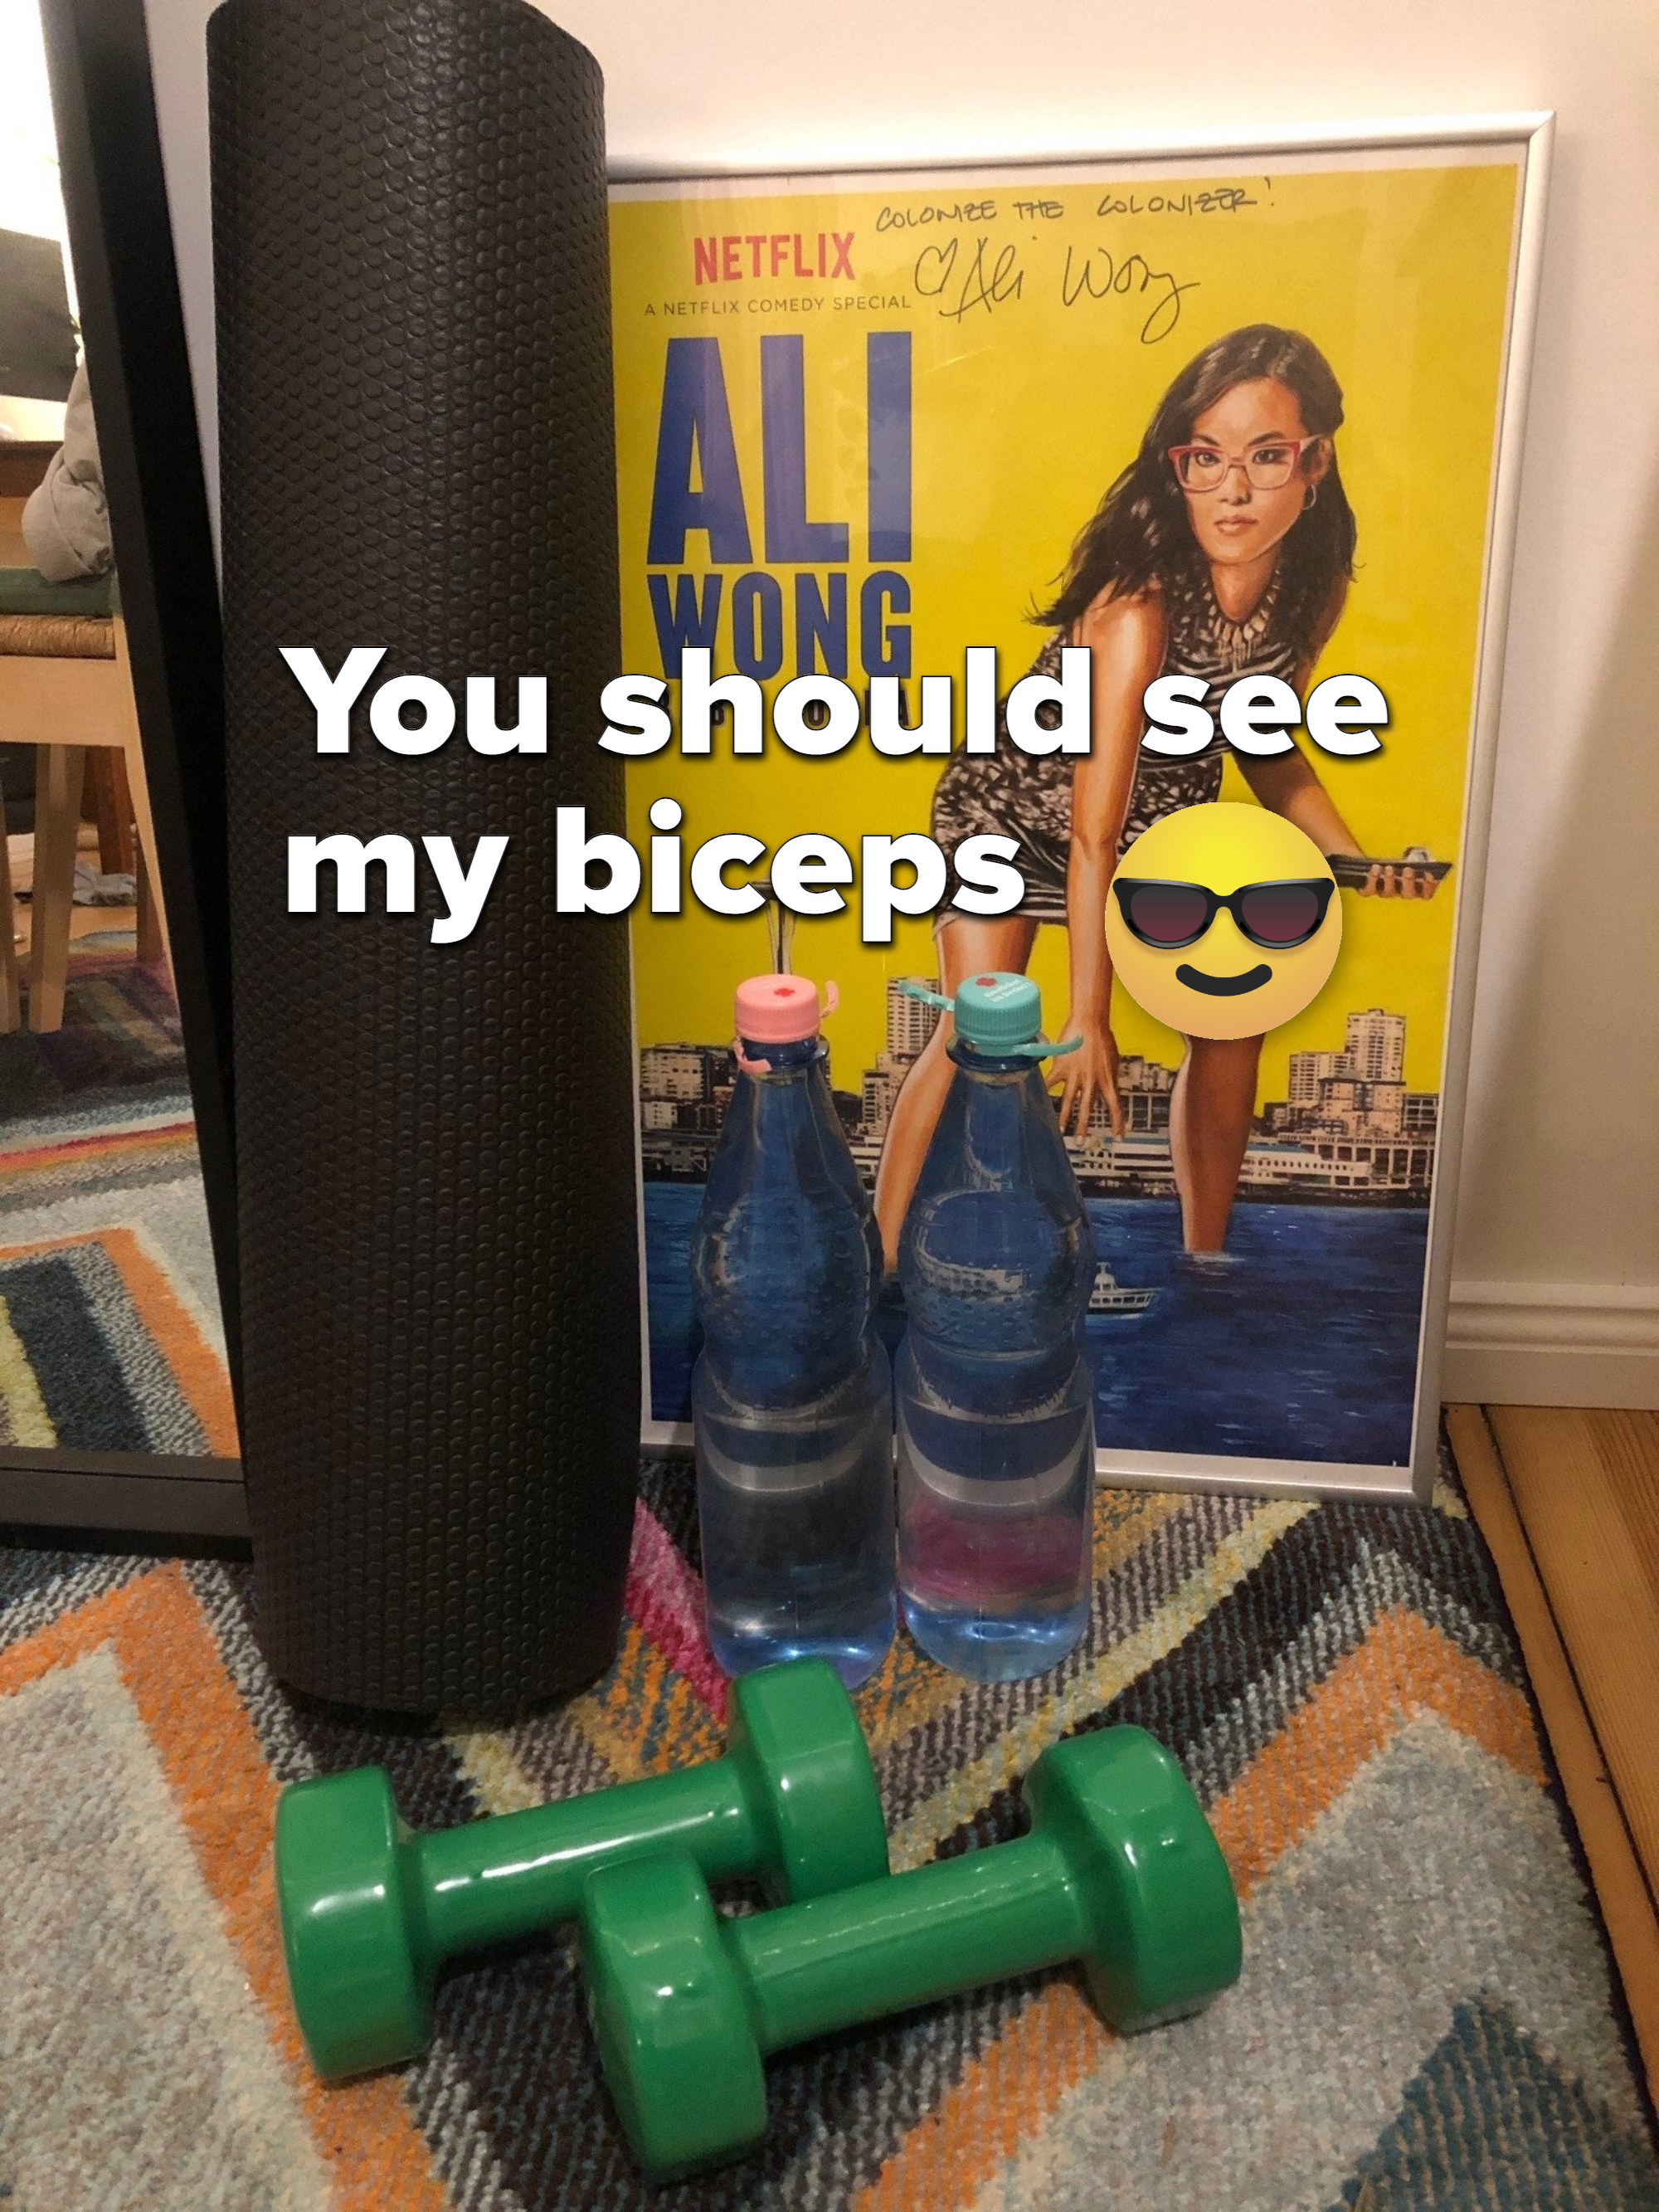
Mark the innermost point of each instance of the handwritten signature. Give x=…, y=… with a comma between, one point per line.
x=982, y=277
x=982, y=281
x=1098, y=274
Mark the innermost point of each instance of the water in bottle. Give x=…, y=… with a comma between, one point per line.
x=792, y=1393
x=995, y=1400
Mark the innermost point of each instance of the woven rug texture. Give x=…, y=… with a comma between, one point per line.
x=110, y=1334
x=1426, y=2020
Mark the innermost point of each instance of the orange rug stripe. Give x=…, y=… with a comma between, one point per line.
x=1003, y=2098
x=1404, y=1668
x=644, y=1700
x=227, y=1800
x=195, y=1366
x=61, y=1643
x=80, y=1148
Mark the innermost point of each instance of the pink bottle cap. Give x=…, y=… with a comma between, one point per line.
x=782, y=1009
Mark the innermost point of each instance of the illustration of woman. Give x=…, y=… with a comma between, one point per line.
x=1225, y=550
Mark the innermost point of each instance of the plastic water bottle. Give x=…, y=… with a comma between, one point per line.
x=995, y=1398
x=792, y=1396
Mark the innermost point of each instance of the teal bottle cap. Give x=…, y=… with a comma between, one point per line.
x=998, y=1014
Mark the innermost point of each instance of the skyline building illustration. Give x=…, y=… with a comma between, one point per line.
x=1348, y=1129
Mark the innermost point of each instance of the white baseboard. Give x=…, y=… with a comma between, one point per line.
x=1552, y=1344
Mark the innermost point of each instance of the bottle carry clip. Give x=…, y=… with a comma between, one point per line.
x=1040, y=1049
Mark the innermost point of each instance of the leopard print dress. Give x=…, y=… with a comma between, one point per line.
x=1014, y=794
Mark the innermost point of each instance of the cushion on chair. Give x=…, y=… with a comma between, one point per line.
x=26, y=592
x=61, y=622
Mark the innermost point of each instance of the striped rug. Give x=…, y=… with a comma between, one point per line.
x=110, y=1337
x=1425, y=2023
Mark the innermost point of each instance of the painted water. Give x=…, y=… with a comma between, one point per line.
x=1301, y=1343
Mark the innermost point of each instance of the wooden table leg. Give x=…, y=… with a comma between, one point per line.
x=56, y=832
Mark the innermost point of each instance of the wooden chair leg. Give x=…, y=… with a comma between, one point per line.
x=57, y=830
x=109, y=803
x=152, y=941
x=11, y=1002
x=152, y=907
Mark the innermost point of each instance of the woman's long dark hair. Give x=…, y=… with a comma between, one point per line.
x=1140, y=535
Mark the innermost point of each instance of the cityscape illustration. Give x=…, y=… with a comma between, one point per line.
x=1349, y=1132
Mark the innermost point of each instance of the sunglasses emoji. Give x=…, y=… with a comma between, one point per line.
x=1223, y=921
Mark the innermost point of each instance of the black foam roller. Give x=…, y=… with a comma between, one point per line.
x=439, y=1291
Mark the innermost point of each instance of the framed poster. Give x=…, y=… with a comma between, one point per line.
x=871, y=421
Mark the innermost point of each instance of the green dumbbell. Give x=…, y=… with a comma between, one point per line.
x=370, y=1911
x=1120, y=1869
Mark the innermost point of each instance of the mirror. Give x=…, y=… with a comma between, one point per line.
x=117, y=1226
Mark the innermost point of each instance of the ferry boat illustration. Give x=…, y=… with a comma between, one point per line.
x=1108, y=1296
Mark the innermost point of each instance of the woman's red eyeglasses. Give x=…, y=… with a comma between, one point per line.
x=1271, y=463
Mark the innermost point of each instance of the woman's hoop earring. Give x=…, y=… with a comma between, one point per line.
x=1309, y=496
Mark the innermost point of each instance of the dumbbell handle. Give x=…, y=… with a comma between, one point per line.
x=487, y=1882
x=811, y=1968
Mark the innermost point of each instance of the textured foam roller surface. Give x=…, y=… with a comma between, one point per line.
x=435, y=1151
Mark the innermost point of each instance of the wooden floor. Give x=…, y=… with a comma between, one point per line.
x=84, y=921
x=1568, y=1499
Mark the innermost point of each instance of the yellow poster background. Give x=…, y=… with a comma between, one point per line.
x=1025, y=409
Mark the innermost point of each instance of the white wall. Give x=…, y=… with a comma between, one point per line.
x=1557, y=1255
x=29, y=198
